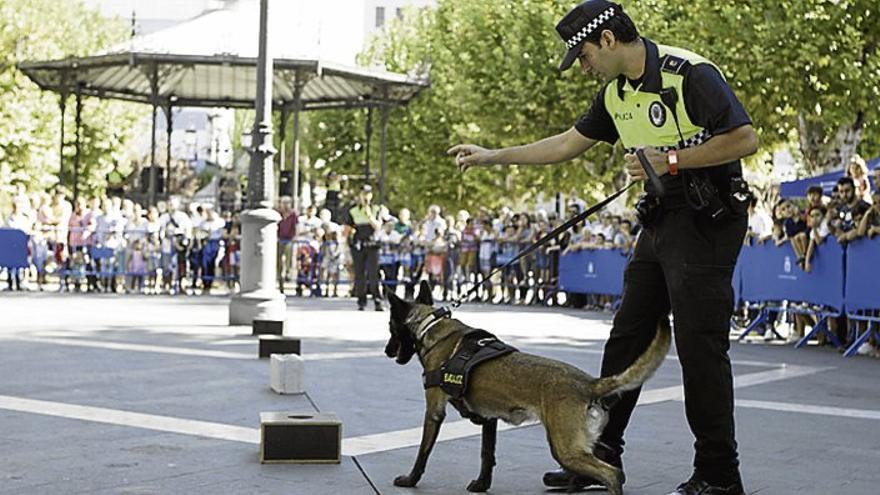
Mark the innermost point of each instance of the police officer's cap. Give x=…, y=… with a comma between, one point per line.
x=582, y=21
x=367, y=188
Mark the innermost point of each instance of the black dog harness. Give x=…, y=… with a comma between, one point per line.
x=476, y=347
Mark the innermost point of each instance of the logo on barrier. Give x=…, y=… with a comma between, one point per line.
x=786, y=267
x=591, y=270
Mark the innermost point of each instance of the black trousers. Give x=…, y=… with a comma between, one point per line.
x=683, y=262
x=366, y=272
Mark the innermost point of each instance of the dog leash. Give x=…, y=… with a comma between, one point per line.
x=446, y=311
x=571, y=222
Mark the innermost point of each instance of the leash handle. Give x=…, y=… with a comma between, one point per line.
x=652, y=175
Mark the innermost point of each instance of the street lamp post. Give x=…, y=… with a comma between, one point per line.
x=259, y=297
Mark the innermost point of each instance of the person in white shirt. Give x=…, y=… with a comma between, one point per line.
x=327, y=223
x=308, y=224
x=760, y=223
x=433, y=223
x=18, y=219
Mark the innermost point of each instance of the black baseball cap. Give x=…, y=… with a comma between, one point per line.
x=580, y=22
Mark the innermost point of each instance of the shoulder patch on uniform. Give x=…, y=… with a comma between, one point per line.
x=673, y=64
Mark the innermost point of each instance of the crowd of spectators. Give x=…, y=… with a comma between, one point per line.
x=451, y=251
x=849, y=213
x=113, y=244
x=106, y=244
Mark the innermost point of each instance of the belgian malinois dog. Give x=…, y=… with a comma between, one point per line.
x=515, y=388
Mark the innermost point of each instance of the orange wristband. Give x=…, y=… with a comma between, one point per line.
x=672, y=161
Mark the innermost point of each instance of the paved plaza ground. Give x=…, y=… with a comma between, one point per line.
x=109, y=394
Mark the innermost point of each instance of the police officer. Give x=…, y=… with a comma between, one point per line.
x=678, y=109
x=361, y=224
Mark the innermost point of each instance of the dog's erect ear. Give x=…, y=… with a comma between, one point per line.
x=425, y=294
x=399, y=307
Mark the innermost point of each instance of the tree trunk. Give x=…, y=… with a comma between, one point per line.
x=823, y=152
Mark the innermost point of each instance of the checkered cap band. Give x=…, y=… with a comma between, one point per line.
x=589, y=28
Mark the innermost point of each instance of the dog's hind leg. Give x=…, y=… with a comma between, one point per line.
x=487, y=457
x=571, y=447
x=435, y=413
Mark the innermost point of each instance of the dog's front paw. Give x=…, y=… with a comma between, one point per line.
x=479, y=485
x=406, y=480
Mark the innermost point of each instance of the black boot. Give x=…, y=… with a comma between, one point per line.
x=697, y=486
x=563, y=478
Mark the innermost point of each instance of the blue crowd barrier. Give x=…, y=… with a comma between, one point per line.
x=862, y=275
x=771, y=273
x=862, y=295
x=13, y=249
x=598, y=271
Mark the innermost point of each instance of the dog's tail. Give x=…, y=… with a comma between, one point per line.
x=642, y=369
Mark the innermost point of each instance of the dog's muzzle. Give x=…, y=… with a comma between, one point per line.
x=392, y=347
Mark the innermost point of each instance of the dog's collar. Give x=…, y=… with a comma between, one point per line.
x=422, y=326
x=429, y=321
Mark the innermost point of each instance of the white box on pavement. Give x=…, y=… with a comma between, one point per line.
x=286, y=374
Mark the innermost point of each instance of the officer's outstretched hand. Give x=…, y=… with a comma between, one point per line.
x=470, y=155
x=634, y=169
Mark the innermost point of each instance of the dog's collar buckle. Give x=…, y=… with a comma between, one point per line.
x=440, y=313
x=429, y=321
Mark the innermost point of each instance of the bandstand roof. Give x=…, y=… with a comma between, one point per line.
x=211, y=60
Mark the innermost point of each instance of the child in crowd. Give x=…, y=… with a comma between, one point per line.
x=405, y=256
x=76, y=268
x=542, y=261
x=389, y=262
x=331, y=262
x=153, y=254
x=137, y=267
x=818, y=232
x=435, y=262
x=451, y=268
x=231, y=254
x=417, y=266
x=486, y=260
x=507, y=249
x=469, y=247
x=39, y=247
x=168, y=263
x=181, y=245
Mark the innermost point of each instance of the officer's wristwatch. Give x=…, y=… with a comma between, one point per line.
x=672, y=162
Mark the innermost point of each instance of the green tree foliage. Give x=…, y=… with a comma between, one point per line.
x=30, y=118
x=807, y=72
x=493, y=81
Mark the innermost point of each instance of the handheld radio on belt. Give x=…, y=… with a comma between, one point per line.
x=700, y=193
